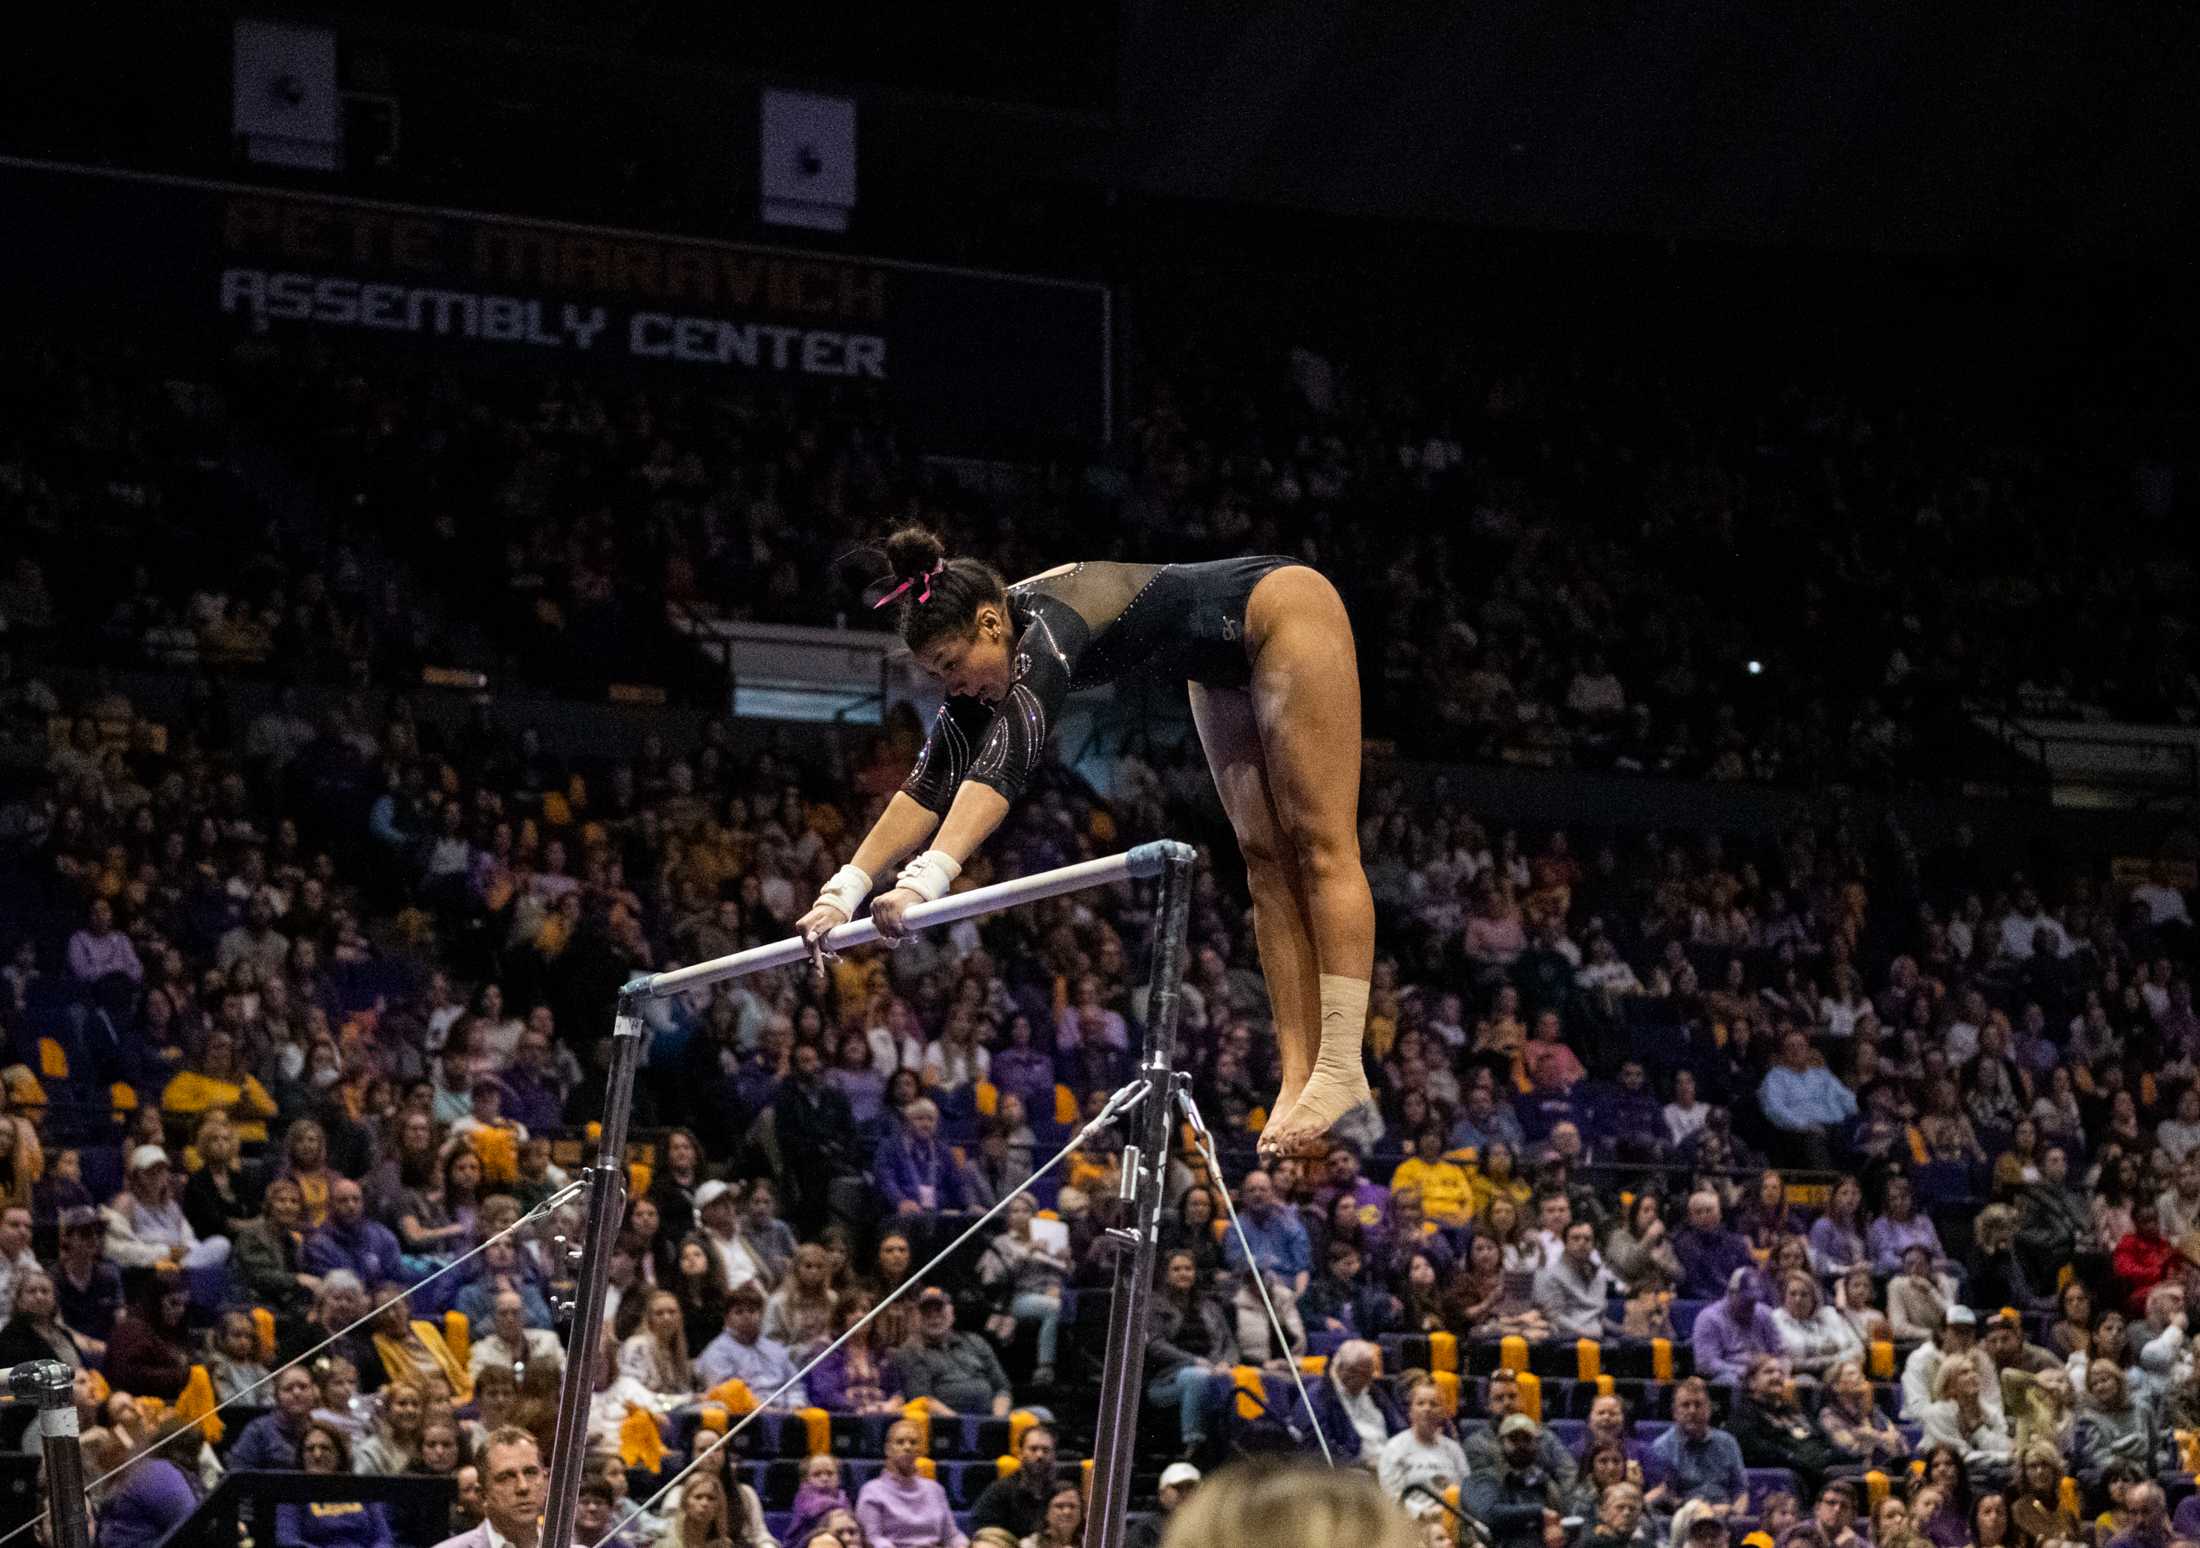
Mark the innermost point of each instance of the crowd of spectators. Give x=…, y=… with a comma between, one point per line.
x=302, y=1010
x=1580, y=565
x=301, y=1017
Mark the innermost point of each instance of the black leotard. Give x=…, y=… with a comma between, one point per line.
x=1090, y=624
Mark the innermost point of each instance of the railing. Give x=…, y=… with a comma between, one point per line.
x=2159, y=766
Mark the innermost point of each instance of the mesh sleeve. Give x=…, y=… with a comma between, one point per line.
x=949, y=749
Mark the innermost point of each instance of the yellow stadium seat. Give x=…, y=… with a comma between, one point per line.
x=1531, y=1395
x=1251, y=1400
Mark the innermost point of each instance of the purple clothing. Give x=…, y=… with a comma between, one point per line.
x=812, y=1504
x=153, y=1498
x=840, y=1387
x=1724, y=1345
x=1027, y=1072
x=911, y=1514
x=265, y=1446
x=531, y=1104
x=334, y=1524
x=923, y=1172
x=93, y=957
x=366, y=1247
x=1888, y=1239
x=1708, y=1260
x=1835, y=1248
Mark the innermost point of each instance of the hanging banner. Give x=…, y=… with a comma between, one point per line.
x=980, y=360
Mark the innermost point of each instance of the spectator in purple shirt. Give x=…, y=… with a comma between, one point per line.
x=1709, y=1253
x=915, y=1171
x=1734, y=1329
x=99, y=949
x=531, y=1095
x=351, y=1241
x=1900, y=1227
x=1023, y=1069
x=1341, y=1179
x=901, y=1508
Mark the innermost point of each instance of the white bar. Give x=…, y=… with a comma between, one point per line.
x=1145, y=860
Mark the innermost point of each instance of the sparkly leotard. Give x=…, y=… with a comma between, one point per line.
x=1088, y=624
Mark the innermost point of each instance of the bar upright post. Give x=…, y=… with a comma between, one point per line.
x=591, y=1259
x=1145, y=1169
x=52, y=1385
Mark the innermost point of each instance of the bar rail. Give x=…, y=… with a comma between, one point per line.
x=1140, y=863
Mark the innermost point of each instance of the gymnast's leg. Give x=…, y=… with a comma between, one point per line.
x=1306, y=701
x=1231, y=740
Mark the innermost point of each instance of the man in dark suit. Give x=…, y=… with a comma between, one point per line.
x=1352, y=1406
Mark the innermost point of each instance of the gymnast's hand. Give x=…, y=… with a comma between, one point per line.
x=887, y=911
x=822, y=919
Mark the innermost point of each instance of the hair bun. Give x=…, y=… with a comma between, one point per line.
x=914, y=552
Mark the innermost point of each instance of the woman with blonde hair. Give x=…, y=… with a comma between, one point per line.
x=1813, y=1336
x=1267, y=1503
x=2042, y=1407
x=1960, y=1420
x=702, y=1520
x=799, y=1314
x=657, y=1354
x=398, y=1419
x=2035, y=1506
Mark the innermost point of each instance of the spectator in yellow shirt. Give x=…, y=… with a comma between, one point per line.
x=1447, y=1193
x=217, y=1082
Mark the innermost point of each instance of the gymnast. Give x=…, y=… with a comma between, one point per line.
x=1267, y=650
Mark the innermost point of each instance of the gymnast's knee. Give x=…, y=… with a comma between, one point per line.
x=1326, y=859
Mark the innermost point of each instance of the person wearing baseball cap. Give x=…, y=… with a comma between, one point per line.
x=957, y=1371
x=1956, y=1339
x=1519, y=1498
x=146, y=1227
x=1178, y=1480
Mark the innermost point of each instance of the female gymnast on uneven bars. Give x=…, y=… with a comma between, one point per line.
x=1267, y=650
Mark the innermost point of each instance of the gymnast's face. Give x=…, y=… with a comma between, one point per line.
x=977, y=665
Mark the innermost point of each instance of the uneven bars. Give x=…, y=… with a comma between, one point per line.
x=1144, y=861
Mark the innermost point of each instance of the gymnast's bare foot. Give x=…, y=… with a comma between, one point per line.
x=1286, y=1099
x=1304, y=1130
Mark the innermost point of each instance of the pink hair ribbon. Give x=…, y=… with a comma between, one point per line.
x=922, y=596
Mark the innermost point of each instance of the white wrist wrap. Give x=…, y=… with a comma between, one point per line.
x=929, y=875
x=847, y=890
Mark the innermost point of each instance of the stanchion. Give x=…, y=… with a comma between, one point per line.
x=589, y=1258
x=52, y=1386
x=1145, y=1179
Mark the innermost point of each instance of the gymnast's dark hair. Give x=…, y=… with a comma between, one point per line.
x=959, y=587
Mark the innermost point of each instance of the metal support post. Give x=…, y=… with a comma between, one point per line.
x=591, y=1260
x=52, y=1386
x=1145, y=1173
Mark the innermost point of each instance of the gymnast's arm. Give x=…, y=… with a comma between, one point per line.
x=899, y=833
x=977, y=811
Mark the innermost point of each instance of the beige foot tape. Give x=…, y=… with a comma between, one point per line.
x=1338, y=1083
